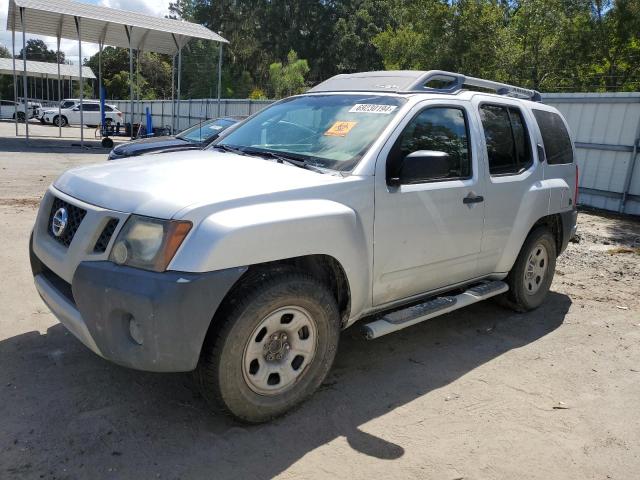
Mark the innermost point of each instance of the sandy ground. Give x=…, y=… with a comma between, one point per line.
x=482, y=393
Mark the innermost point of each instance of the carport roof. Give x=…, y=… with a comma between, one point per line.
x=103, y=25
x=44, y=69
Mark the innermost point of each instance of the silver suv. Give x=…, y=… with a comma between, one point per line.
x=387, y=198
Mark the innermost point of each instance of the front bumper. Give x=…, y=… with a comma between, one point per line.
x=172, y=311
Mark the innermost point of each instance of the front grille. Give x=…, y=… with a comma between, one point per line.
x=105, y=236
x=74, y=219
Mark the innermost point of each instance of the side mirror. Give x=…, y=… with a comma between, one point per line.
x=422, y=166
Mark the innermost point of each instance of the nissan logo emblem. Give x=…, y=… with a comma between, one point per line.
x=59, y=222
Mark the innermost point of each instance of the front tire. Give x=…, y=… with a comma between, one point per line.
x=531, y=276
x=275, y=346
x=60, y=121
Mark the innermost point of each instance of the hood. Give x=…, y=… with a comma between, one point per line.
x=146, y=145
x=162, y=185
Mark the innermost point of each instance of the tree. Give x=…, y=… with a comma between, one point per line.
x=288, y=79
x=4, y=52
x=37, y=50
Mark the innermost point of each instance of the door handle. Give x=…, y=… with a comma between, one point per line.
x=472, y=198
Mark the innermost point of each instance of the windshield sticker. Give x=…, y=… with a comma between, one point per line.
x=371, y=108
x=340, y=129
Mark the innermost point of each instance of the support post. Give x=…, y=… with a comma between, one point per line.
x=129, y=31
x=179, y=82
x=15, y=76
x=173, y=95
x=24, y=72
x=59, y=86
x=219, y=75
x=79, y=32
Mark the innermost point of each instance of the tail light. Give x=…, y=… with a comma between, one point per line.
x=120, y=114
x=575, y=195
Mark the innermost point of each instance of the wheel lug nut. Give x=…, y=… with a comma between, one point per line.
x=284, y=336
x=279, y=357
x=287, y=346
x=269, y=357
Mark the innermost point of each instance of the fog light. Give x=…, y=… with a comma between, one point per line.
x=135, y=331
x=120, y=253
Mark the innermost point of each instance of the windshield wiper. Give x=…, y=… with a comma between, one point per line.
x=282, y=157
x=228, y=148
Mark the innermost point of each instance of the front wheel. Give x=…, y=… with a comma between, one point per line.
x=60, y=121
x=274, y=349
x=531, y=276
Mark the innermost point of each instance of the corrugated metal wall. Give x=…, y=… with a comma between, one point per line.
x=606, y=130
x=191, y=111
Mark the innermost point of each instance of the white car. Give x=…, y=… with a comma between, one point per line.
x=64, y=103
x=8, y=110
x=91, y=114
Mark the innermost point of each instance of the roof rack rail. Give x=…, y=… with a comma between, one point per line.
x=411, y=81
x=454, y=82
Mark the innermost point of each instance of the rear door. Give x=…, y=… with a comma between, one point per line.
x=427, y=234
x=513, y=171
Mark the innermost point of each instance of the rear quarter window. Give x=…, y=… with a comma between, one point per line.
x=557, y=144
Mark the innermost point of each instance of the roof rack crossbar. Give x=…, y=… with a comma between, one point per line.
x=454, y=82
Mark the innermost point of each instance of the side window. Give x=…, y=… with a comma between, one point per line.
x=438, y=129
x=557, y=144
x=505, y=132
x=107, y=108
x=91, y=107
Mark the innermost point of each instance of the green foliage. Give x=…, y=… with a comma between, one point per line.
x=4, y=52
x=154, y=78
x=37, y=50
x=257, y=94
x=288, y=79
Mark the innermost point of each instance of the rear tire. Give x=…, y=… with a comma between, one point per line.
x=531, y=276
x=276, y=343
x=21, y=117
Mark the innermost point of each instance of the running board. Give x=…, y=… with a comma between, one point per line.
x=400, y=319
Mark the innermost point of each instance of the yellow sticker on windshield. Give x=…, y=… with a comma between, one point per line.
x=340, y=129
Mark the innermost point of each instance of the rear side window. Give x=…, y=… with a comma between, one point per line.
x=557, y=144
x=507, y=139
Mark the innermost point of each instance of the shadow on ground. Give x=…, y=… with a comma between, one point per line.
x=45, y=144
x=67, y=413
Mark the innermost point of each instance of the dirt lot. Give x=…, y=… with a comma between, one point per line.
x=482, y=393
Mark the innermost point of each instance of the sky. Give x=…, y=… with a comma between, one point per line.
x=157, y=8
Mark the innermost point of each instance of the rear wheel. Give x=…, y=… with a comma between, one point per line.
x=274, y=349
x=21, y=116
x=60, y=121
x=531, y=276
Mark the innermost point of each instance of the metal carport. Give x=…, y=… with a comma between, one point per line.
x=44, y=71
x=107, y=26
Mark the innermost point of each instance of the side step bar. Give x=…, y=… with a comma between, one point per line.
x=400, y=319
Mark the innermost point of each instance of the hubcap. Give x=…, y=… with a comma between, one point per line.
x=536, y=269
x=279, y=350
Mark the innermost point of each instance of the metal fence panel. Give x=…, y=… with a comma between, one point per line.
x=606, y=130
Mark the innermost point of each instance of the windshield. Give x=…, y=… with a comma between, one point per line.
x=329, y=131
x=205, y=130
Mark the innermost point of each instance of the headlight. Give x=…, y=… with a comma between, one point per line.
x=148, y=243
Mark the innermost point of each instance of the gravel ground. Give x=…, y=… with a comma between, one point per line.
x=482, y=393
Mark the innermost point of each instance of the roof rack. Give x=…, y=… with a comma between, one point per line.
x=411, y=81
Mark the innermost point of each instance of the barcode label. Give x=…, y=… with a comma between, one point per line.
x=371, y=108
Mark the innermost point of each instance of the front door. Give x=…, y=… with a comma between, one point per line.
x=428, y=229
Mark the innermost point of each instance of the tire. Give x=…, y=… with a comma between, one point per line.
x=21, y=117
x=63, y=121
x=237, y=357
x=531, y=276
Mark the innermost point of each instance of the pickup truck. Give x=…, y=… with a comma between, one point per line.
x=383, y=198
